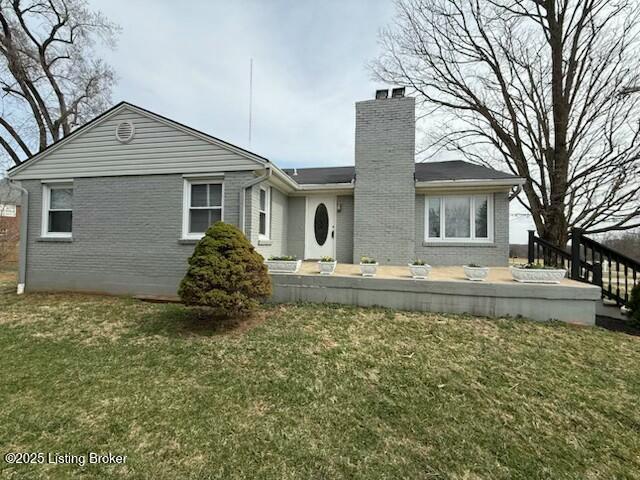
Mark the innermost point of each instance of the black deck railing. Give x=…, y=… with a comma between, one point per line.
x=591, y=262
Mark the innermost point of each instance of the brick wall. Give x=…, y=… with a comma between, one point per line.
x=296, y=215
x=344, y=230
x=126, y=235
x=277, y=243
x=494, y=254
x=384, y=197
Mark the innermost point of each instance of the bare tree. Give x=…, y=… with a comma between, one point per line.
x=627, y=242
x=51, y=77
x=541, y=86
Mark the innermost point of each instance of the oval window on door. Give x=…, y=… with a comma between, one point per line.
x=321, y=224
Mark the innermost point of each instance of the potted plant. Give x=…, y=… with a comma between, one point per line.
x=327, y=265
x=537, y=273
x=283, y=264
x=475, y=272
x=419, y=269
x=368, y=266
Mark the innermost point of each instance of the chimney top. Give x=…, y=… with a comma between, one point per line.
x=381, y=94
x=397, y=92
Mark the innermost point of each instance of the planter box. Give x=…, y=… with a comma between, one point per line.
x=538, y=275
x=475, y=274
x=283, y=266
x=368, y=269
x=327, y=268
x=419, y=272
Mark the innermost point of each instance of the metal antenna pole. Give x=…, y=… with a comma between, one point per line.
x=250, y=96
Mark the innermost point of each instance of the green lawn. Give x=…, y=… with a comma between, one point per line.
x=312, y=392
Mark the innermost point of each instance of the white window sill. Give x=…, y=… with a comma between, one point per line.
x=265, y=241
x=188, y=241
x=55, y=239
x=192, y=236
x=440, y=243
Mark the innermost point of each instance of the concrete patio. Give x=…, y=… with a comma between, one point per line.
x=447, y=274
x=446, y=290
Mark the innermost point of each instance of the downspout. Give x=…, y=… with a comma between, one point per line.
x=515, y=192
x=243, y=194
x=24, y=224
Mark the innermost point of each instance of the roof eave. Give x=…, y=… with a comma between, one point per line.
x=471, y=183
x=325, y=186
x=329, y=188
x=286, y=181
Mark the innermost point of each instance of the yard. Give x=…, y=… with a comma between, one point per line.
x=311, y=392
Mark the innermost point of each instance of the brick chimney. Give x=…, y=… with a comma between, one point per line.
x=384, y=197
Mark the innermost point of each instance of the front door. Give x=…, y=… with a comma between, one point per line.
x=320, y=231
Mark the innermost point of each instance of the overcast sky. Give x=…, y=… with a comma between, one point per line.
x=190, y=61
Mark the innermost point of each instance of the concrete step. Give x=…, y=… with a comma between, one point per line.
x=606, y=308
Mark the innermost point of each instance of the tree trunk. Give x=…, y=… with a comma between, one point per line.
x=556, y=228
x=555, y=221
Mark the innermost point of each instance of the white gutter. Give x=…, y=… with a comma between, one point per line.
x=285, y=178
x=325, y=186
x=243, y=193
x=24, y=225
x=507, y=182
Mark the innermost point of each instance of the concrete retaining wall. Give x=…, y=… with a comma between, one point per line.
x=538, y=302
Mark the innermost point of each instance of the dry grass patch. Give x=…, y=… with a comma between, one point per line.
x=313, y=391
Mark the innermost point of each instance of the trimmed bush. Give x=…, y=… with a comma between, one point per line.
x=634, y=305
x=225, y=273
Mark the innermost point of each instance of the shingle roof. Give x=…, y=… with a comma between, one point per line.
x=430, y=171
x=321, y=175
x=457, y=170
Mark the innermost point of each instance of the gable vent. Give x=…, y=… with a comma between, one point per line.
x=125, y=132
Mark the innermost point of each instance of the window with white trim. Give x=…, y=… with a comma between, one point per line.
x=203, y=206
x=57, y=209
x=264, y=209
x=459, y=218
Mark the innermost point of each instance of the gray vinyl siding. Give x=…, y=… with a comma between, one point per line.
x=296, y=226
x=344, y=230
x=126, y=235
x=157, y=148
x=277, y=243
x=495, y=254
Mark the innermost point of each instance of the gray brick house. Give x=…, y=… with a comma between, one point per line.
x=118, y=205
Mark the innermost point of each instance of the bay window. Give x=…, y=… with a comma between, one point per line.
x=459, y=218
